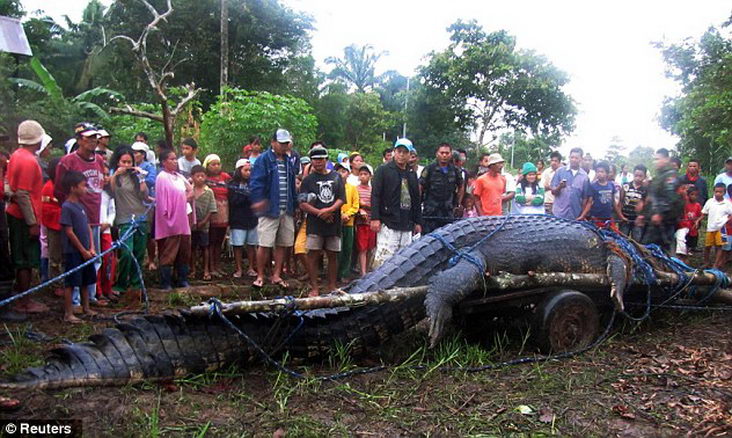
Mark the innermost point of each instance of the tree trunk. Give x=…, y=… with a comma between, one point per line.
x=168, y=123
x=224, y=45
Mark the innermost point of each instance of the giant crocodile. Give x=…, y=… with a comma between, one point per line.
x=158, y=347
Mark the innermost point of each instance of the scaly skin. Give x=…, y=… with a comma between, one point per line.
x=166, y=346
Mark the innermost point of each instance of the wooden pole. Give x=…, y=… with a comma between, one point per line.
x=224, y=46
x=496, y=283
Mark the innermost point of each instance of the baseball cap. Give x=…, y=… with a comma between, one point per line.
x=304, y=160
x=318, y=152
x=345, y=165
x=30, y=132
x=140, y=146
x=727, y=160
x=45, y=143
x=241, y=162
x=405, y=143
x=368, y=168
x=103, y=133
x=85, y=129
x=283, y=136
x=248, y=148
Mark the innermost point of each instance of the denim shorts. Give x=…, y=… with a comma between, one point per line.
x=240, y=237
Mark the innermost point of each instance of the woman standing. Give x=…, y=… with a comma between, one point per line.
x=217, y=180
x=172, y=224
x=130, y=194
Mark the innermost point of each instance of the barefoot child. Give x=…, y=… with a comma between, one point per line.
x=365, y=236
x=688, y=234
x=205, y=208
x=77, y=243
x=242, y=221
x=718, y=209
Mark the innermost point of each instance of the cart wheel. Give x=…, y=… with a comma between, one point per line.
x=566, y=320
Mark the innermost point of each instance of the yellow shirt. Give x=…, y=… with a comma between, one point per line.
x=350, y=208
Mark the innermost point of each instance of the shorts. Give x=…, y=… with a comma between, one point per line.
x=199, y=239
x=727, y=242
x=240, y=237
x=388, y=242
x=25, y=250
x=301, y=240
x=81, y=278
x=713, y=238
x=279, y=231
x=365, y=238
x=330, y=243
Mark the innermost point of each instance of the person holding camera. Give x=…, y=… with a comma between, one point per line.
x=570, y=187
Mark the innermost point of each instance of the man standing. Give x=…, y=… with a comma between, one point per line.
x=395, y=210
x=103, y=146
x=725, y=177
x=25, y=181
x=693, y=177
x=272, y=186
x=92, y=166
x=555, y=161
x=322, y=194
x=442, y=189
x=664, y=207
x=570, y=187
x=588, y=165
x=490, y=188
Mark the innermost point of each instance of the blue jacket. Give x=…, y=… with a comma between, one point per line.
x=264, y=184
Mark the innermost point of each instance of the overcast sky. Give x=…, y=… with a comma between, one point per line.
x=617, y=77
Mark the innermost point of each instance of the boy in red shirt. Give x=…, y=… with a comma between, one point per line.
x=687, y=235
x=50, y=216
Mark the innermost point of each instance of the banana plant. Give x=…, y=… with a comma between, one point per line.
x=85, y=101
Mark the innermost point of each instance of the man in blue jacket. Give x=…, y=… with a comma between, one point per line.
x=272, y=186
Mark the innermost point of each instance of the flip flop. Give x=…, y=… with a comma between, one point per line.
x=236, y=275
x=258, y=284
x=252, y=274
x=281, y=283
x=206, y=277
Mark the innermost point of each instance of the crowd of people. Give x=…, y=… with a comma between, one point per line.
x=282, y=213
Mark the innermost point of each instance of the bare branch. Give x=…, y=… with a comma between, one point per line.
x=128, y=110
x=192, y=93
x=135, y=44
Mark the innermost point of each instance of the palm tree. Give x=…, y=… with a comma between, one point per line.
x=357, y=66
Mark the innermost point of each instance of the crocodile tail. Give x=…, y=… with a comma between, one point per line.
x=147, y=348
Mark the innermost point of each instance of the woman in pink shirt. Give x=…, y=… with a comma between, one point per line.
x=172, y=224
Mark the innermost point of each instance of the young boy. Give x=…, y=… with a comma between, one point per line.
x=188, y=150
x=348, y=214
x=205, y=207
x=718, y=210
x=632, y=198
x=688, y=233
x=601, y=203
x=365, y=236
x=78, y=244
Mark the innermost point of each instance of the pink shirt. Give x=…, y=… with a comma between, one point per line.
x=171, y=205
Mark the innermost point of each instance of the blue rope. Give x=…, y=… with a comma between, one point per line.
x=115, y=245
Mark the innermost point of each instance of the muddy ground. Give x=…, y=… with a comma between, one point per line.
x=669, y=376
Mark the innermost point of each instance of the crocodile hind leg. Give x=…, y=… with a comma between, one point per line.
x=617, y=271
x=448, y=288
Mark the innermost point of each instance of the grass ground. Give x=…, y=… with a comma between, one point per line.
x=669, y=376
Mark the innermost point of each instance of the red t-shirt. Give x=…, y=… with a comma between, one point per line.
x=93, y=169
x=692, y=212
x=490, y=189
x=221, y=193
x=50, y=207
x=24, y=173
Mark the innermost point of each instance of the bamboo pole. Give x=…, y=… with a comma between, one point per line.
x=500, y=282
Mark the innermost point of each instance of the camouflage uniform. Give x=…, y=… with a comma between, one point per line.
x=439, y=194
x=663, y=199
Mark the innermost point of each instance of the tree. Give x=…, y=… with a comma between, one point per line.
x=357, y=67
x=702, y=115
x=614, y=152
x=498, y=86
x=518, y=148
x=641, y=155
x=158, y=81
x=239, y=114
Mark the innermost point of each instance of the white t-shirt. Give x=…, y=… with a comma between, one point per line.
x=546, y=179
x=717, y=213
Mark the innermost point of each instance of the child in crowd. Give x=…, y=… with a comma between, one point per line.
x=348, y=214
x=105, y=275
x=205, y=207
x=469, y=207
x=301, y=225
x=602, y=201
x=78, y=244
x=189, y=149
x=242, y=220
x=717, y=210
x=632, y=198
x=529, y=192
x=217, y=180
x=50, y=216
x=365, y=236
x=688, y=234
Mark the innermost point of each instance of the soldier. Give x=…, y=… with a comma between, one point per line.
x=664, y=206
x=442, y=189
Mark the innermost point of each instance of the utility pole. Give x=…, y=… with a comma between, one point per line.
x=406, y=100
x=224, y=45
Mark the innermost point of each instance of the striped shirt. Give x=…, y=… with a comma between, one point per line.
x=364, y=203
x=282, y=172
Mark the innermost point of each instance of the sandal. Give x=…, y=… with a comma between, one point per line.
x=237, y=275
x=206, y=277
x=281, y=283
x=252, y=274
x=258, y=284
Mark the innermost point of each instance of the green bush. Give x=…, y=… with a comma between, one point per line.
x=123, y=127
x=239, y=114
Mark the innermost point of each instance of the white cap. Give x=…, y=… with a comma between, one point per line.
x=45, y=142
x=103, y=133
x=241, y=162
x=283, y=136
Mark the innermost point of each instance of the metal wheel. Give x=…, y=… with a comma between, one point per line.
x=566, y=320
